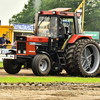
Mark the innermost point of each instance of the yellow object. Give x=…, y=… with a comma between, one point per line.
x=8, y=30
x=66, y=42
x=80, y=6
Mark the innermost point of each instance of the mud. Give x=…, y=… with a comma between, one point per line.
x=47, y=91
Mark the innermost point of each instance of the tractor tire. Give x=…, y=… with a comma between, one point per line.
x=87, y=58
x=70, y=60
x=11, y=67
x=83, y=58
x=41, y=65
x=70, y=67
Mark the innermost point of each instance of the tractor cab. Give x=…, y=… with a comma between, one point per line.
x=47, y=24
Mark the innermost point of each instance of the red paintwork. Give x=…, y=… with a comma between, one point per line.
x=48, y=13
x=76, y=37
x=29, y=49
x=37, y=39
x=58, y=10
x=70, y=14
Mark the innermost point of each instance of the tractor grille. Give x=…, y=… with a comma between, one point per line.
x=21, y=47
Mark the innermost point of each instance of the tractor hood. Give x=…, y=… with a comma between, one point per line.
x=32, y=38
x=37, y=39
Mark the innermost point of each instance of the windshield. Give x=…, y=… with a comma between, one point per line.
x=47, y=26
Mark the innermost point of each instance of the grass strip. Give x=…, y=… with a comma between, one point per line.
x=1, y=64
x=49, y=79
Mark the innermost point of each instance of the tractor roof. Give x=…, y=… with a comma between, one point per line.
x=59, y=11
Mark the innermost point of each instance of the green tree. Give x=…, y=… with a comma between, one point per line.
x=92, y=15
x=27, y=15
x=92, y=10
x=51, y=4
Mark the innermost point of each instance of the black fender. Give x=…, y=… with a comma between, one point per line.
x=12, y=51
x=49, y=55
x=43, y=52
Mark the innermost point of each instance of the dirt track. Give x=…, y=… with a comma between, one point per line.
x=55, y=91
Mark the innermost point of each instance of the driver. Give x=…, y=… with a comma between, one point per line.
x=61, y=28
x=61, y=34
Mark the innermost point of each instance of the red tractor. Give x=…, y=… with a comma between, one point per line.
x=49, y=52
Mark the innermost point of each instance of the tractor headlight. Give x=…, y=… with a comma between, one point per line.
x=19, y=51
x=24, y=51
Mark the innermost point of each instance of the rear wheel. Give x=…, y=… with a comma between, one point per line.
x=87, y=58
x=41, y=65
x=83, y=58
x=11, y=66
x=70, y=64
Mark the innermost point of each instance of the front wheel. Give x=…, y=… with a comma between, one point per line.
x=41, y=65
x=11, y=66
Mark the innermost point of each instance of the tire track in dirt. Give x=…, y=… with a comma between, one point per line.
x=47, y=91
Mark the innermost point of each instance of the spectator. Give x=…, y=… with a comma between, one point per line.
x=8, y=43
x=2, y=41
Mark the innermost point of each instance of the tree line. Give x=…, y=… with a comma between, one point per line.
x=91, y=18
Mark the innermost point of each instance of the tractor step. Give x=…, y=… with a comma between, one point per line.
x=60, y=51
x=61, y=57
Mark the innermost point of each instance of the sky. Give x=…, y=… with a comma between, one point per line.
x=8, y=8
